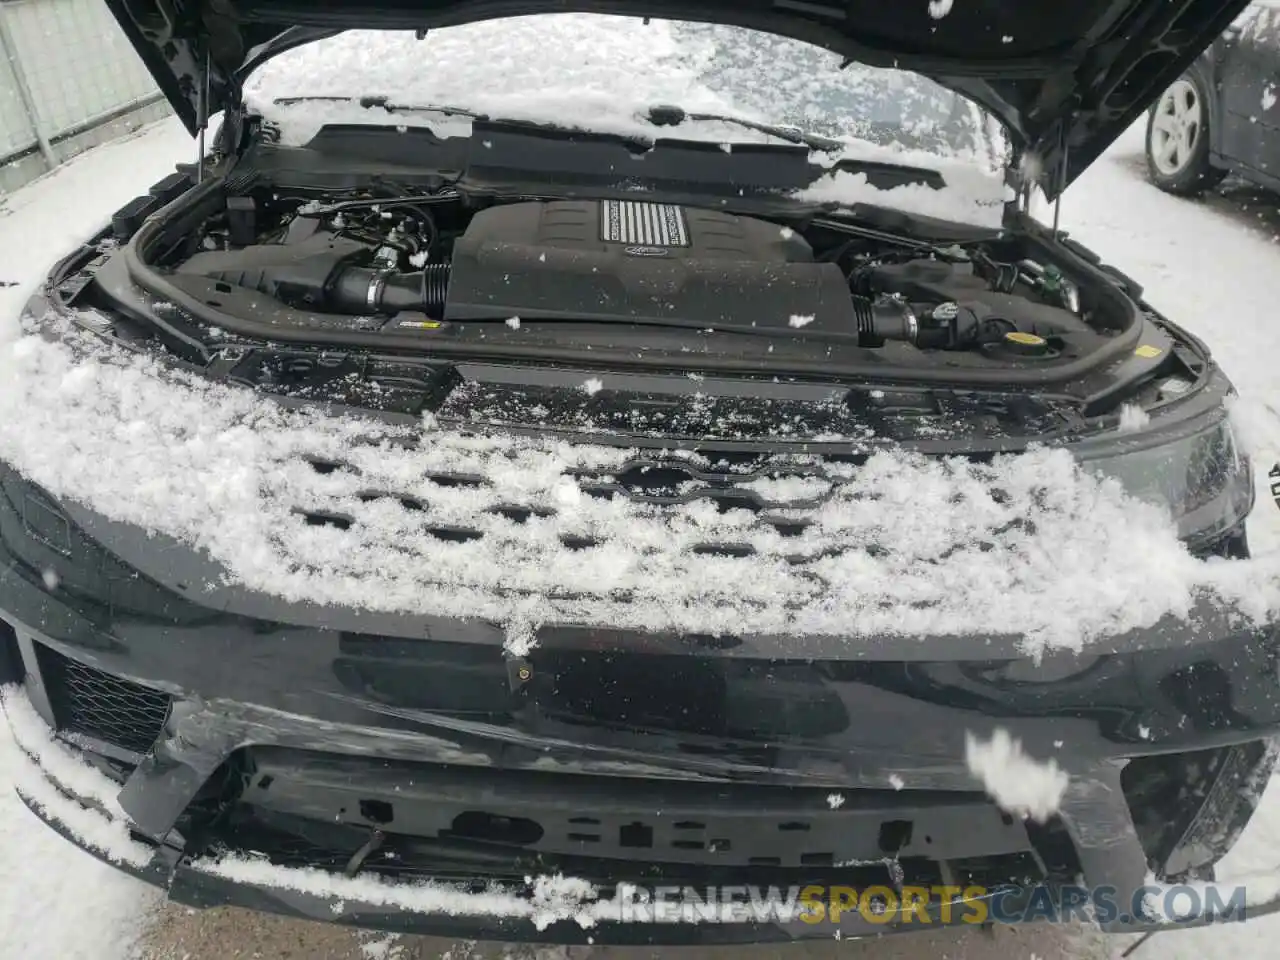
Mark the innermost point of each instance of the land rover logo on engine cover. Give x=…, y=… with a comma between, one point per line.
x=645, y=251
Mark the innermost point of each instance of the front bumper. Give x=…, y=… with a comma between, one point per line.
x=550, y=909
x=425, y=784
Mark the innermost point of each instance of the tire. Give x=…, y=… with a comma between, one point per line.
x=1178, y=138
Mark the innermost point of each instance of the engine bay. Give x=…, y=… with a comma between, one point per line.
x=586, y=269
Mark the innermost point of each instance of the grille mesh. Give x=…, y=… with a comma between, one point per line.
x=96, y=704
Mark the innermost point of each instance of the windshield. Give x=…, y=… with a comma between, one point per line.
x=602, y=73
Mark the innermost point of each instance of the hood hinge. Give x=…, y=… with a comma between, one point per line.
x=1028, y=169
x=1016, y=180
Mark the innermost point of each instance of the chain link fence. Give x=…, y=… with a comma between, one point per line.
x=69, y=80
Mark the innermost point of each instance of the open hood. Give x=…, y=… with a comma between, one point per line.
x=1065, y=78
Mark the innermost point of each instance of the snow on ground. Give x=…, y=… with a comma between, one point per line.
x=1211, y=270
x=1204, y=268
x=57, y=902
x=1159, y=240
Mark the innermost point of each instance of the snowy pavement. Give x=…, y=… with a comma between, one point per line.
x=1206, y=265
x=57, y=902
x=1210, y=266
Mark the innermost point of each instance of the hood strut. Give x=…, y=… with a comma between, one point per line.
x=1061, y=188
x=1063, y=167
x=202, y=113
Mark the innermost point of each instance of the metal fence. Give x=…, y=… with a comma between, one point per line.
x=69, y=80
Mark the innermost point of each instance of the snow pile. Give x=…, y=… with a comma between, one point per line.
x=61, y=903
x=970, y=197
x=381, y=946
x=1019, y=784
x=901, y=545
x=604, y=73
x=1133, y=418
x=105, y=830
x=553, y=898
x=106, y=834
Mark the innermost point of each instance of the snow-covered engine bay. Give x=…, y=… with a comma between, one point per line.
x=455, y=268
x=793, y=526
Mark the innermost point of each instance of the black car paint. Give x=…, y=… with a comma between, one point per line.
x=438, y=701
x=261, y=691
x=339, y=709
x=1241, y=67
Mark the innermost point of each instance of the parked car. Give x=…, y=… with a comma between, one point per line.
x=572, y=603
x=1221, y=116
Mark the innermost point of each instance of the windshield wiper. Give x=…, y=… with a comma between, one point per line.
x=671, y=115
x=380, y=102
x=385, y=103
x=660, y=115
x=878, y=172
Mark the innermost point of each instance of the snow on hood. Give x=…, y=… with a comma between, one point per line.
x=901, y=546
x=603, y=73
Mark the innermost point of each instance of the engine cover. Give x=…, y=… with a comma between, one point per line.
x=635, y=261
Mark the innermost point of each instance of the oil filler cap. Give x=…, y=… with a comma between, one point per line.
x=1025, y=344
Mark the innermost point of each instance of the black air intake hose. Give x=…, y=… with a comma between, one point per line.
x=318, y=274
x=944, y=326
x=885, y=318
x=361, y=290
x=435, y=285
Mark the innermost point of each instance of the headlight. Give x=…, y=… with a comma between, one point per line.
x=1202, y=478
x=43, y=546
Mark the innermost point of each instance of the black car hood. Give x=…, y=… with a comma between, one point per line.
x=1065, y=78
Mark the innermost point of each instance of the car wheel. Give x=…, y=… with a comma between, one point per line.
x=1178, y=138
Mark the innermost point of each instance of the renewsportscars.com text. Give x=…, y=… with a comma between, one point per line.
x=941, y=904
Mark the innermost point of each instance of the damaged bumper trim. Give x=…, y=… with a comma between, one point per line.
x=558, y=911
x=67, y=794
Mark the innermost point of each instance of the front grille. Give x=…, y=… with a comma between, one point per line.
x=96, y=704
x=780, y=501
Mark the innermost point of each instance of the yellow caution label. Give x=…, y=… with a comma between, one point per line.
x=1147, y=352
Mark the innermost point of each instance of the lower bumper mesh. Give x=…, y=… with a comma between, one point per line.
x=96, y=704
